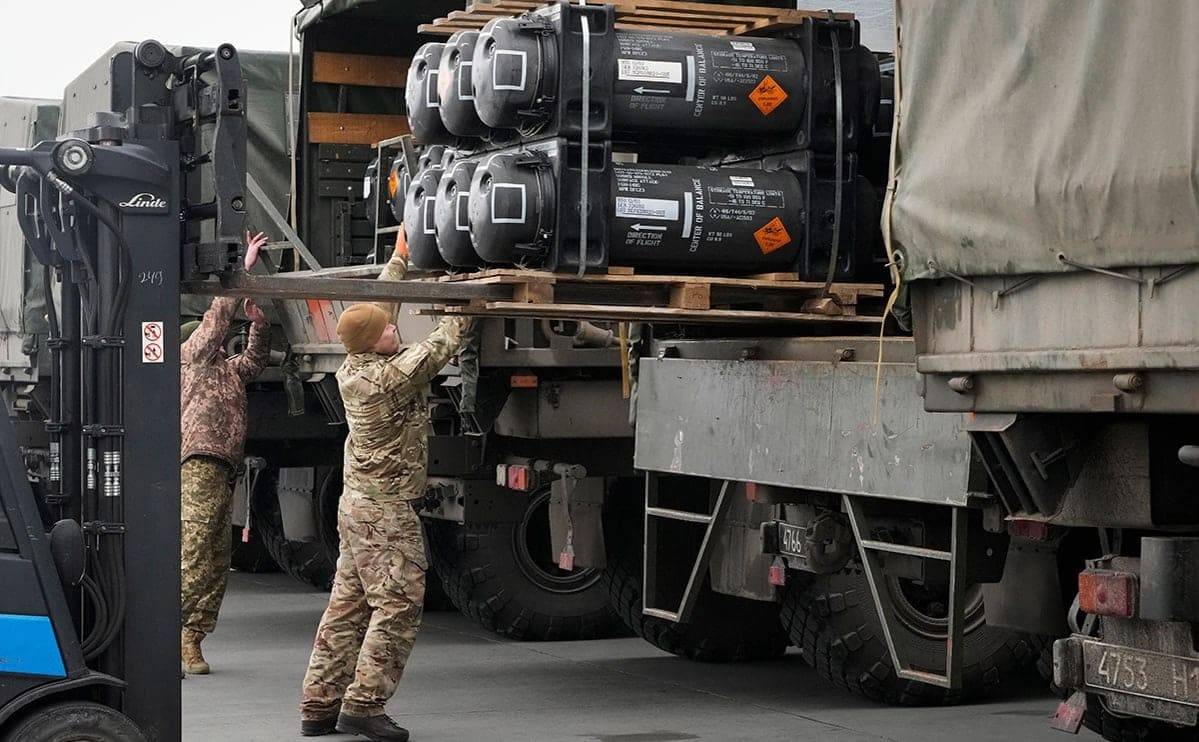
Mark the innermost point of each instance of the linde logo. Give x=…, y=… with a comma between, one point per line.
x=144, y=201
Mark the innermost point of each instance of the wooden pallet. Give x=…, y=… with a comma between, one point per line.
x=627, y=295
x=658, y=15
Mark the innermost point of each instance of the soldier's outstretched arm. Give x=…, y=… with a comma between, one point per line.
x=258, y=350
x=208, y=337
x=395, y=270
x=419, y=363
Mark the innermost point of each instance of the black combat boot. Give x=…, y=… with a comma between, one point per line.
x=320, y=727
x=378, y=728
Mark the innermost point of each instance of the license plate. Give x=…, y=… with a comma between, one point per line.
x=1135, y=672
x=791, y=540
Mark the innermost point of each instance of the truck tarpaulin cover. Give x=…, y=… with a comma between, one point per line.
x=23, y=123
x=1029, y=128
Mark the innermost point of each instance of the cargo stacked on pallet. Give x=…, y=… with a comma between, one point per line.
x=582, y=137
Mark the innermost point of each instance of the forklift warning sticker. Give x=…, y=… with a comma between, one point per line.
x=772, y=236
x=152, y=343
x=768, y=95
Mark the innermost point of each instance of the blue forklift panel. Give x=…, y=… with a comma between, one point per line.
x=28, y=647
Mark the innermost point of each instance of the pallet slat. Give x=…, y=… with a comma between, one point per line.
x=669, y=15
x=782, y=281
x=624, y=294
x=646, y=314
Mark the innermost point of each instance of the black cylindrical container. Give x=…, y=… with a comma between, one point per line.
x=689, y=83
x=702, y=219
x=398, y=180
x=507, y=72
x=455, y=88
x=718, y=85
x=452, y=215
x=419, y=226
x=420, y=97
x=438, y=154
x=664, y=217
x=512, y=208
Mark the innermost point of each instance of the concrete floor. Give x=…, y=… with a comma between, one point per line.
x=466, y=684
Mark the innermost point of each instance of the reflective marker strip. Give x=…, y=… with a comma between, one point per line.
x=430, y=226
x=28, y=647
x=688, y=213
x=431, y=98
x=495, y=188
x=690, y=78
x=524, y=70
x=464, y=82
x=462, y=213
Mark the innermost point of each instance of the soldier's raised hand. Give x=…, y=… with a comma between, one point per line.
x=253, y=245
x=254, y=313
x=401, y=249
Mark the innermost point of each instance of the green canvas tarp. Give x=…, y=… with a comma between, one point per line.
x=23, y=122
x=1028, y=129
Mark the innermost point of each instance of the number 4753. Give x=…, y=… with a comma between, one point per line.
x=1120, y=670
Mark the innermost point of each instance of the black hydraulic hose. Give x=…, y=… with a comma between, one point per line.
x=70, y=399
x=99, y=621
x=51, y=310
x=107, y=377
x=124, y=282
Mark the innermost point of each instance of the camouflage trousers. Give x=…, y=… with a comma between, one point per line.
x=374, y=611
x=206, y=548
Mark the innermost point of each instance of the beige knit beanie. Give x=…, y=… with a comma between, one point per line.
x=360, y=327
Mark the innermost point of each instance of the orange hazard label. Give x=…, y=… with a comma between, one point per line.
x=772, y=236
x=768, y=96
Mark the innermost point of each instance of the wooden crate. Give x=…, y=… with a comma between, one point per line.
x=622, y=294
x=657, y=15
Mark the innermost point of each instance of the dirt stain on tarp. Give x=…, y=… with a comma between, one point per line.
x=644, y=737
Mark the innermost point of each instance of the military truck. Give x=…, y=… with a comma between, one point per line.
x=1042, y=214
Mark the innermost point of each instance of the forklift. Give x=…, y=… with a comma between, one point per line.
x=118, y=214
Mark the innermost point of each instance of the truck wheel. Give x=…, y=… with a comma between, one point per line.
x=723, y=628
x=1130, y=729
x=251, y=557
x=500, y=575
x=307, y=561
x=77, y=721
x=834, y=621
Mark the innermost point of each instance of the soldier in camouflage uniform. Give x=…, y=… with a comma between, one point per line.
x=375, y=608
x=213, y=417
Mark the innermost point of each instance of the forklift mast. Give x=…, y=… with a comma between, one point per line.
x=116, y=215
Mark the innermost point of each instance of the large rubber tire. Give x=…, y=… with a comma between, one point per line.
x=1122, y=729
x=307, y=561
x=723, y=628
x=490, y=580
x=74, y=721
x=252, y=557
x=834, y=621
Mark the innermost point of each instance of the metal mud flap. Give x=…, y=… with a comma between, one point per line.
x=1141, y=668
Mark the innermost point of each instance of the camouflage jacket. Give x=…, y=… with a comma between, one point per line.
x=213, y=387
x=386, y=450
